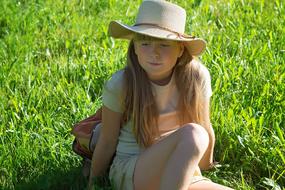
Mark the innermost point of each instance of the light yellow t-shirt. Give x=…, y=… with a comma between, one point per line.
x=166, y=99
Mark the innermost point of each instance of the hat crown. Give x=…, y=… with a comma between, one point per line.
x=163, y=14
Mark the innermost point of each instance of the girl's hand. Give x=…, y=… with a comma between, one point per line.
x=213, y=165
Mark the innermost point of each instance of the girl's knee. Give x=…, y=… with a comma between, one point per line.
x=195, y=135
x=195, y=130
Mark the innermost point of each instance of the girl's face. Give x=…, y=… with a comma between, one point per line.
x=157, y=57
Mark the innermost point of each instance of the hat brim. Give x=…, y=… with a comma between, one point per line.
x=195, y=46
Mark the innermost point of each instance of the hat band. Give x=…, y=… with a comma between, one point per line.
x=179, y=35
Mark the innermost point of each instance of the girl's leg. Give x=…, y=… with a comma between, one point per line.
x=170, y=163
x=206, y=185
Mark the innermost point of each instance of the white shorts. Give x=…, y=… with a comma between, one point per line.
x=122, y=171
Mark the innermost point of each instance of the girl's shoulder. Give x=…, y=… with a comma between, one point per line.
x=206, y=80
x=203, y=77
x=118, y=75
x=205, y=72
x=202, y=70
x=113, y=93
x=116, y=81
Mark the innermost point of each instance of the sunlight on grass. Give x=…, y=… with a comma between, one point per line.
x=56, y=55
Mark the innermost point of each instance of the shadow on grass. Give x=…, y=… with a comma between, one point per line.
x=63, y=180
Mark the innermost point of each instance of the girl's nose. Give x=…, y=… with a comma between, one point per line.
x=155, y=50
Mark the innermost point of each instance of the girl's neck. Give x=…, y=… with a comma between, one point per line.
x=162, y=82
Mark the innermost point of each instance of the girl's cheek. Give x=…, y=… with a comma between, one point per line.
x=166, y=53
x=144, y=50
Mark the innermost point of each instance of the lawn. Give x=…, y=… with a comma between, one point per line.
x=56, y=55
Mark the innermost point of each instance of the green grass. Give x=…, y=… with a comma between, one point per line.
x=56, y=55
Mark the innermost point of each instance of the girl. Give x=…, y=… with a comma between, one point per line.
x=156, y=110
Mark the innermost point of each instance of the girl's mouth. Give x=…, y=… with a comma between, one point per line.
x=155, y=64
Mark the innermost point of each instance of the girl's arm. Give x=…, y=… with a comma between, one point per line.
x=207, y=160
x=107, y=143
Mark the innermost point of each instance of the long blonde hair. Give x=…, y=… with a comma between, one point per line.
x=140, y=105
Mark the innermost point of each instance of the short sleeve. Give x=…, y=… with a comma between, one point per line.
x=207, y=89
x=113, y=92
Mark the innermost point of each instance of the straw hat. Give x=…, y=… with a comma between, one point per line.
x=159, y=19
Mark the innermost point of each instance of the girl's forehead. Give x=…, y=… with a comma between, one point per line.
x=139, y=37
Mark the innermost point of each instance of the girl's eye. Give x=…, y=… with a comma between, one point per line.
x=144, y=44
x=164, y=45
